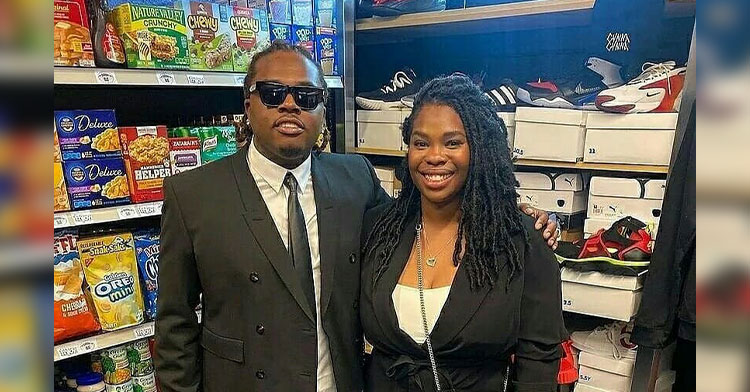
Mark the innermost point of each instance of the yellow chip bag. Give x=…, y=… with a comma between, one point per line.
x=111, y=270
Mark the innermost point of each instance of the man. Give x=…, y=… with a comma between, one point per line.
x=271, y=238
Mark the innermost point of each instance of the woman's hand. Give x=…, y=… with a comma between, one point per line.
x=542, y=222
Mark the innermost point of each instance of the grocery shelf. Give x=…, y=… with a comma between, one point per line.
x=105, y=340
x=523, y=8
x=594, y=166
x=108, y=214
x=161, y=78
x=378, y=151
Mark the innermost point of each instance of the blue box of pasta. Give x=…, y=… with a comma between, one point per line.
x=96, y=183
x=281, y=32
x=87, y=134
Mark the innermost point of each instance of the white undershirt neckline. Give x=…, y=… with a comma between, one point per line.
x=406, y=303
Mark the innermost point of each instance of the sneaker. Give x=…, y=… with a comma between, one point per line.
x=387, y=8
x=657, y=89
x=568, y=372
x=503, y=96
x=408, y=100
x=388, y=97
x=609, y=340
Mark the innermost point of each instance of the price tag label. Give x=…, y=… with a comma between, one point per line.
x=82, y=218
x=567, y=303
x=61, y=221
x=143, y=332
x=239, y=80
x=105, y=77
x=166, y=78
x=127, y=212
x=67, y=351
x=196, y=80
x=149, y=209
x=87, y=346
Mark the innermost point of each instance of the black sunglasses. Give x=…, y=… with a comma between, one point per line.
x=273, y=94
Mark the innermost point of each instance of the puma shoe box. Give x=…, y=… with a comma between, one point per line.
x=561, y=193
x=381, y=129
x=613, y=198
x=388, y=180
x=601, y=295
x=510, y=125
x=550, y=134
x=640, y=138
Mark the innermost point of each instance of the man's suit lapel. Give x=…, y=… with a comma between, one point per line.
x=327, y=231
x=264, y=230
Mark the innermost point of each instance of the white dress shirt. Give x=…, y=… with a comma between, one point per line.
x=270, y=180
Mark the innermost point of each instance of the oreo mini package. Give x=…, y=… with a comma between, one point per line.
x=147, y=255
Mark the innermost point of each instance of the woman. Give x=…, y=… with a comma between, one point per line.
x=444, y=317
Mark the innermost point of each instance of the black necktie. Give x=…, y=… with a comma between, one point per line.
x=299, y=248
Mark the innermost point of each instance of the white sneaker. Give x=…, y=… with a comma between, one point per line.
x=657, y=89
x=609, y=340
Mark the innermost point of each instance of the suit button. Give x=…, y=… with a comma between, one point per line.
x=254, y=277
x=260, y=374
x=260, y=329
x=352, y=258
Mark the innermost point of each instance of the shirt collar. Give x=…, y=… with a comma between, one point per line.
x=274, y=174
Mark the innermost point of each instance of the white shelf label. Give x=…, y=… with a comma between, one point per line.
x=196, y=80
x=149, y=209
x=239, y=80
x=87, y=346
x=143, y=332
x=61, y=220
x=567, y=303
x=127, y=212
x=67, y=351
x=166, y=78
x=105, y=77
x=83, y=217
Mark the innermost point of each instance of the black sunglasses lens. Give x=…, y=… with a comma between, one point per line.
x=271, y=95
x=307, y=98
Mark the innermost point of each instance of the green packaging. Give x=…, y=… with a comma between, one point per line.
x=209, y=35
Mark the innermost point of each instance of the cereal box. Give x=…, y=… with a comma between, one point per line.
x=281, y=32
x=146, y=153
x=280, y=11
x=216, y=142
x=110, y=268
x=85, y=134
x=325, y=48
x=209, y=41
x=96, y=183
x=72, y=37
x=154, y=37
x=249, y=35
x=147, y=255
x=184, y=153
x=73, y=316
x=305, y=37
x=62, y=203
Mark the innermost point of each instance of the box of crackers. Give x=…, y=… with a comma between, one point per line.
x=146, y=153
x=87, y=134
x=72, y=35
x=96, y=183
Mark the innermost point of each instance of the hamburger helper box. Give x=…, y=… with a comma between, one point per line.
x=249, y=35
x=146, y=153
x=326, y=50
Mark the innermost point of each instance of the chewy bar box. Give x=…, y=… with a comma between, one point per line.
x=96, y=183
x=71, y=34
x=184, y=153
x=325, y=13
x=146, y=153
x=216, y=142
x=325, y=50
x=249, y=35
x=85, y=134
x=154, y=37
x=280, y=11
x=305, y=37
x=302, y=12
x=209, y=35
x=280, y=32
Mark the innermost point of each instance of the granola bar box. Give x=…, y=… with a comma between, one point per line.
x=250, y=35
x=85, y=134
x=96, y=183
x=209, y=35
x=146, y=153
x=154, y=37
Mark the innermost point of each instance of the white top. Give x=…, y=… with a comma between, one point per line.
x=270, y=179
x=409, y=313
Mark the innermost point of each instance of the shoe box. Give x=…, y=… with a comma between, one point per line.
x=640, y=138
x=510, y=125
x=381, y=129
x=388, y=180
x=613, y=198
x=605, y=373
x=592, y=225
x=561, y=193
x=601, y=295
x=550, y=134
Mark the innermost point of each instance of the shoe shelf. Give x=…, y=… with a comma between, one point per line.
x=594, y=166
x=524, y=8
x=380, y=152
x=161, y=78
x=108, y=214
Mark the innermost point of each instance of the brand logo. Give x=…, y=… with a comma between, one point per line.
x=244, y=23
x=618, y=42
x=139, y=12
x=152, y=268
x=326, y=43
x=613, y=208
x=115, y=286
x=304, y=35
x=652, y=94
x=95, y=171
x=85, y=123
x=210, y=143
x=62, y=8
x=569, y=181
x=281, y=33
x=66, y=124
x=203, y=22
x=585, y=90
x=400, y=80
x=78, y=174
x=117, y=245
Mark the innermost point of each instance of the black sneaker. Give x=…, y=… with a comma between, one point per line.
x=388, y=97
x=503, y=96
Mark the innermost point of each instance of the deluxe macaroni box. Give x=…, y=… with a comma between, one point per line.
x=96, y=183
x=85, y=134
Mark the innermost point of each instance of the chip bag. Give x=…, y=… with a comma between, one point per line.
x=147, y=254
x=73, y=316
x=110, y=268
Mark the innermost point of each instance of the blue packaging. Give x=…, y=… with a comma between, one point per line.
x=87, y=134
x=302, y=12
x=147, y=254
x=327, y=50
x=305, y=37
x=325, y=13
x=96, y=183
x=281, y=32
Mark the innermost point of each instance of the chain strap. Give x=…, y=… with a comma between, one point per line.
x=420, y=286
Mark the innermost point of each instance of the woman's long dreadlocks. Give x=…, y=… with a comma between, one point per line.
x=489, y=213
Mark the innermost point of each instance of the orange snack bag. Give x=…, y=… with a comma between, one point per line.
x=73, y=315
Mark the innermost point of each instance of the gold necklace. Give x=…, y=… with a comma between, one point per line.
x=431, y=261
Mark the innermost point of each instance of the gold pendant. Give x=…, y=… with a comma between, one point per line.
x=431, y=261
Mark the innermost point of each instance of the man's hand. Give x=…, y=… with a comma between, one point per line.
x=542, y=221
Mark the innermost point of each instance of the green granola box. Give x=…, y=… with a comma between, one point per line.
x=154, y=37
x=250, y=35
x=209, y=35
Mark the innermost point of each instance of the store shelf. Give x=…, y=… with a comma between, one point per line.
x=381, y=152
x=105, y=340
x=109, y=214
x=520, y=8
x=161, y=78
x=594, y=166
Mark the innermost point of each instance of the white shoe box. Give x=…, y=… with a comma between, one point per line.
x=641, y=138
x=581, y=387
x=561, y=193
x=550, y=134
x=596, y=294
x=510, y=125
x=605, y=373
x=381, y=129
x=388, y=180
x=550, y=181
x=614, y=198
x=592, y=225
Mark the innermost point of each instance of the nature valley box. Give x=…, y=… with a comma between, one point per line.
x=209, y=35
x=250, y=35
x=154, y=37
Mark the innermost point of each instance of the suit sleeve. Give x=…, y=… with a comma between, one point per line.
x=378, y=195
x=177, y=358
x=541, y=325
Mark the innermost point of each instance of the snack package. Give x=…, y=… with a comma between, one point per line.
x=281, y=32
x=139, y=358
x=325, y=13
x=249, y=35
x=71, y=33
x=216, y=142
x=305, y=37
x=96, y=183
x=184, y=154
x=87, y=134
x=110, y=269
x=280, y=11
x=326, y=50
x=115, y=366
x=61, y=200
x=146, y=153
x=209, y=42
x=73, y=316
x=154, y=37
x=302, y=12
x=147, y=254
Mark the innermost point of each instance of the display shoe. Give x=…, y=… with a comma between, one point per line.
x=568, y=372
x=612, y=340
x=657, y=89
x=503, y=96
x=404, y=82
x=399, y=7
